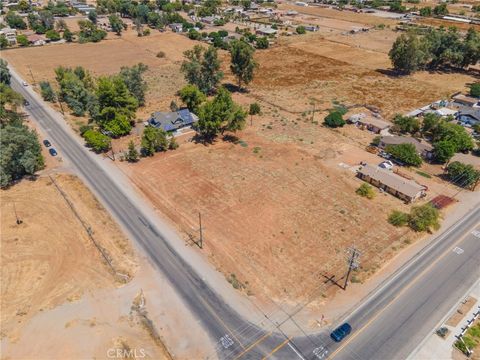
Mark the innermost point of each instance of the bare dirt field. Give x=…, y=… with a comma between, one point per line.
x=49, y=263
x=279, y=208
x=45, y=263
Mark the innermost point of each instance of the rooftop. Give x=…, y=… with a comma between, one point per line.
x=407, y=187
x=171, y=121
x=397, y=140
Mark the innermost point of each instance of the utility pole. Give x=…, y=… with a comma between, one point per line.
x=313, y=112
x=200, y=241
x=353, y=263
x=61, y=106
x=18, y=220
x=31, y=74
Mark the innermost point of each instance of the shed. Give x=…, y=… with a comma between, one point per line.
x=373, y=124
x=465, y=100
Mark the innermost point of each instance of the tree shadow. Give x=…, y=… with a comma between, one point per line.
x=231, y=138
x=198, y=139
x=235, y=89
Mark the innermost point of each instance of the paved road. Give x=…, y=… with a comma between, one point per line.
x=388, y=325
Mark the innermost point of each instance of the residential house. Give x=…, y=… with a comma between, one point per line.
x=469, y=116
x=10, y=35
x=465, y=100
x=176, y=27
x=173, y=120
x=405, y=189
x=37, y=40
x=369, y=122
x=266, y=31
x=423, y=149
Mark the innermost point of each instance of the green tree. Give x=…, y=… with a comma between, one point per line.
x=3, y=42
x=262, y=42
x=192, y=97
x=334, y=119
x=464, y=175
x=52, y=35
x=173, y=144
x=406, y=153
x=5, y=76
x=116, y=105
x=97, y=141
x=67, y=35
x=366, y=190
x=407, y=53
x=22, y=40
x=426, y=11
x=116, y=24
x=242, y=63
x=219, y=115
x=21, y=152
x=475, y=90
x=89, y=32
x=440, y=9
x=454, y=133
x=153, y=140
x=132, y=154
x=15, y=21
x=301, y=30
x=430, y=123
x=254, y=109
x=424, y=218
x=92, y=16
x=443, y=150
x=76, y=89
x=201, y=67
x=133, y=78
x=406, y=124
x=398, y=218
x=47, y=92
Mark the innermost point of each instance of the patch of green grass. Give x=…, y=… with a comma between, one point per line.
x=424, y=174
x=256, y=149
x=243, y=143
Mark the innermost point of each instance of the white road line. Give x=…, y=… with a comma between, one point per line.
x=296, y=352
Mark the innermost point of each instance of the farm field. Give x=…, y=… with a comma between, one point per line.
x=278, y=206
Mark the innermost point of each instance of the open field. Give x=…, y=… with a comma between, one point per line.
x=279, y=208
x=49, y=258
x=54, y=277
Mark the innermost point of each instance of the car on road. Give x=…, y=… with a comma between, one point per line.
x=52, y=152
x=25, y=103
x=47, y=143
x=24, y=83
x=341, y=332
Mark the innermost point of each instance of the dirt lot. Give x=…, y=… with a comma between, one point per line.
x=49, y=263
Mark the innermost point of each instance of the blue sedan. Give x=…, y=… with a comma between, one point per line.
x=341, y=332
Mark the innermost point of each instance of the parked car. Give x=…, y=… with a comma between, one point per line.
x=341, y=332
x=26, y=103
x=24, y=83
x=387, y=164
x=52, y=152
x=384, y=155
x=47, y=143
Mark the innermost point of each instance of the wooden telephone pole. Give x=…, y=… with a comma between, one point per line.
x=353, y=263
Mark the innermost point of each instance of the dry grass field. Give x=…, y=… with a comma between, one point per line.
x=279, y=209
x=49, y=258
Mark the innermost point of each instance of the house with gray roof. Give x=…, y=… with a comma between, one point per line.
x=423, y=149
x=405, y=189
x=173, y=120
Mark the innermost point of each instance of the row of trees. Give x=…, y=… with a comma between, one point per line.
x=439, y=48
x=21, y=151
x=202, y=67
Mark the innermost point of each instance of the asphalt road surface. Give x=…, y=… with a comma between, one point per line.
x=389, y=324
